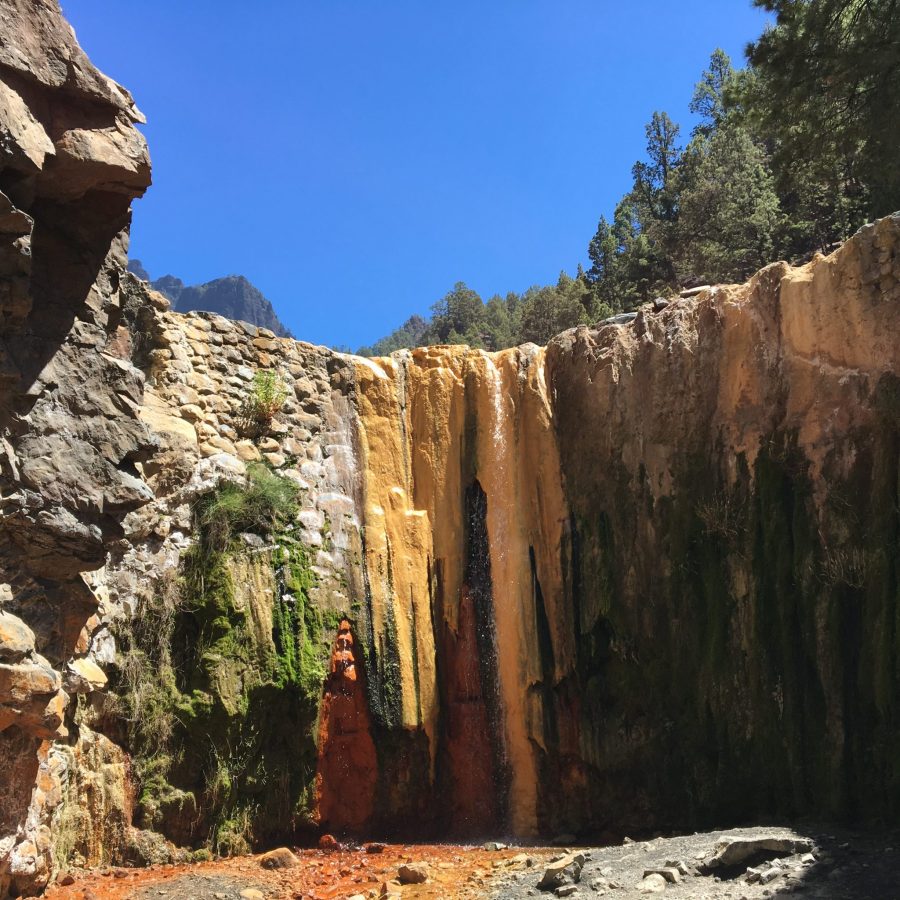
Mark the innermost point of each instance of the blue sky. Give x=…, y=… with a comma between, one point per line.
x=354, y=158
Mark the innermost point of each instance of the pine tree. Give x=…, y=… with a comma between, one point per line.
x=730, y=218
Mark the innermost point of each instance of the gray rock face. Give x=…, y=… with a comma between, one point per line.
x=71, y=161
x=233, y=296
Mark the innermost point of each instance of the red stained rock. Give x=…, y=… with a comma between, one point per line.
x=348, y=768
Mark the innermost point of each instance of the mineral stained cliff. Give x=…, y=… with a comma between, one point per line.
x=643, y=578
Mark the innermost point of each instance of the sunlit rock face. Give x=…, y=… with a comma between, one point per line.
x=641, y=578
x=646, y=577
x=464, y=506
x=71, y=161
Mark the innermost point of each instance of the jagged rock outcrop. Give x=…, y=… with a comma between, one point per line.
x=71, y=161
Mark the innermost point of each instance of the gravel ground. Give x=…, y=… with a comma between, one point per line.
x=837, y=866
x=198, y=887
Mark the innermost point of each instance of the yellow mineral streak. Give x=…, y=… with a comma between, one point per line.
x=397, y=540
x=433, y=421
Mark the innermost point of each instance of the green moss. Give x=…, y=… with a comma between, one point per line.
x=239, y=762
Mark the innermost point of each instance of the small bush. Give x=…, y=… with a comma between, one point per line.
x=268, y=394
x=267, y=503
x=723, y=516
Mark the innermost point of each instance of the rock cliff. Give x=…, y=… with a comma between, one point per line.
x=643, y=578
x=71, y=161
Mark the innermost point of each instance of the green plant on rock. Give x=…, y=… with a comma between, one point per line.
x=268, y=394
x=221, y=717
x=265, y=505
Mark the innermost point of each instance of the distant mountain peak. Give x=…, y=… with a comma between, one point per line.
x=232, y=296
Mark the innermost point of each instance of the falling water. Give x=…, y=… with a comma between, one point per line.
x=499, y=454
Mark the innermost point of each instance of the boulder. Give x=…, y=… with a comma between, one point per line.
x=413, y=873
x=652, y=884
x=280, y=858
x=83, y=676
x=16, y=638
x=736, y=851
x=670, y=873
x=329, y=842
x=566, y=870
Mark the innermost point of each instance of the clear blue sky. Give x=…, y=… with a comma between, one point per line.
x=355, y=158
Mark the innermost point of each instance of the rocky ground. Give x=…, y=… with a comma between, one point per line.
x=731, y=865
x=461, y=873
x=748, y=863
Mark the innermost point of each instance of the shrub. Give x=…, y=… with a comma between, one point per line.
x=267, y=503
x=268, y=394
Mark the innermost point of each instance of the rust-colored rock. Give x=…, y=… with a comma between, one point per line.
x=329, y=843
x=348, y=768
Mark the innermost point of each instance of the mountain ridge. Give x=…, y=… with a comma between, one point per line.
x=233, y=296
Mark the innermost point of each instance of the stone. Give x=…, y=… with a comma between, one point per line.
x=374, y=847
x=247, y=451
x=83, y=676
x=16, y=638
x=678, y=864
x=565, y=869
x=567, y=890
x=252, y=894
x=280, y=858
x=23, y=136
x=652, y=884
x=694, y=291
x=20, y=682
x=328, y=842
x=413, y=873
x=670, y=873
x=192, y=412
x=734, y=851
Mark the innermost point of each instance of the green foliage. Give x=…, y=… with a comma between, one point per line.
x=708, y=101
x=302, y=632
x=548, y=311
x=787, y=157
x=462, y=317
x=264, y=505
x=825, y=95
x=221, y=720
x=729, y=215
x=268, y=394
x=457, y=318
